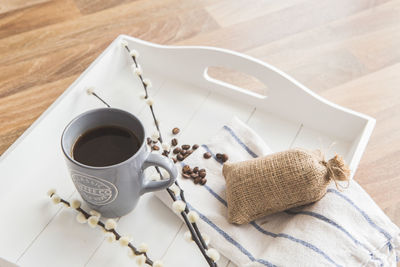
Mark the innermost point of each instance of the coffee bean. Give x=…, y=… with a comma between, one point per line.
x=149, y=141
x=180, y=157
x=165, y=153
x=218, y=156
x=194, y=175
x=155, y=147
x=183, y=152
x=203, y=181
x=174, y=160
x=224, y=157
x=186, y=176
x=202, y=170
x=175, y=130
x=196, y=169
x=197, y=180
x=189, y=152
x=195, y=146
x=176, y=150
x=186, y=147
x=207, y=155
x=202, y=174
x=174, y=142
x=186, y=168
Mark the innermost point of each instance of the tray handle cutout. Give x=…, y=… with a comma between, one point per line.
x=236, y=80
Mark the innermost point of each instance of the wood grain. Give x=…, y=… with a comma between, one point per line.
x=7, y=6
x=346, y=51
x=25, y=19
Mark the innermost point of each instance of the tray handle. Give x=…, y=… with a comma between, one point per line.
x=191, y=63
x=281, y=87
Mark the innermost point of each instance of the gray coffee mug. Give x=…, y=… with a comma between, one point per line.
x=113, y=190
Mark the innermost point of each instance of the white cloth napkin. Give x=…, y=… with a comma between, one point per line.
x=342, y=229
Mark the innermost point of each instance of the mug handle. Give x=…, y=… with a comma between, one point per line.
x=163, y=162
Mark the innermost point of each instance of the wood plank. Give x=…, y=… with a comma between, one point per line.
x=92, y=6
x=37, y=16
x=20, y=110
x=228, y=13
x=47, y=68
x=377, y=172
x=11, y=5
x=168, y=21
x=238, y=37
x=332, y=54
x=345, y=50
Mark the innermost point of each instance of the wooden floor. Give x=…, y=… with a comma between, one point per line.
x=346, y=51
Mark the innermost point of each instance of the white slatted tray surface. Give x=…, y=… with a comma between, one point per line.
x=36, y=233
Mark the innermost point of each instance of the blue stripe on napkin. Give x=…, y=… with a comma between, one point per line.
x=229, y=238
x=319, y=216
x=365, y=215
x=254, y=155
x=258, y=228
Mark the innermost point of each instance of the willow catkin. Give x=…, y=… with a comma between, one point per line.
x=277, y=182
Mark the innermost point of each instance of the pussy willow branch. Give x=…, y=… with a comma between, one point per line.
x=146, y=96
x=194, y=230
x=102, y=225
x=99, y=98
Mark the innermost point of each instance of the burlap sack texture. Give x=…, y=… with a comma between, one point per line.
x=277, y=182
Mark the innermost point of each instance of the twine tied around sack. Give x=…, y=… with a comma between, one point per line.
x=337, y=170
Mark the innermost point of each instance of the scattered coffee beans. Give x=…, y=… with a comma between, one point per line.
x=186, y=168
x=149, y=141
x=207, y=155
x=196, y=174
x=175, y=130
x=222, y=157
x=174, y=142
x=155, y=147
x=185, y=147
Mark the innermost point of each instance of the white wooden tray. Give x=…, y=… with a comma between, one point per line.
x=33, y=232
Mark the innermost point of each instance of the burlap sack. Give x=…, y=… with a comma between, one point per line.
x=278, y=182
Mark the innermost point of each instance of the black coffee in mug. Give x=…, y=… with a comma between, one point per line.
x=105, y=146
x=103, y=137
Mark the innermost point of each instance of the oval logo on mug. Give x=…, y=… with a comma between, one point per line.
x=93, y=189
